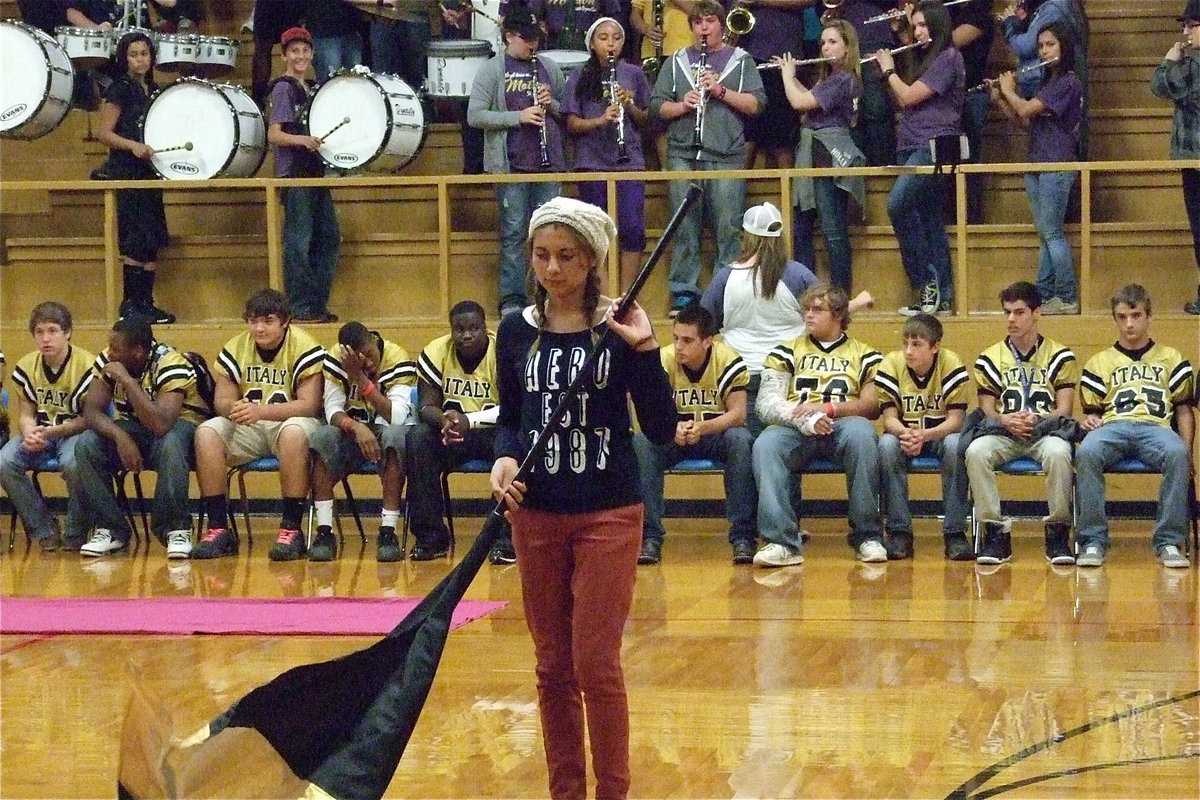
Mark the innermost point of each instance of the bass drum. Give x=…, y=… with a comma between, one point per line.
x=36, y=81
x=360, y=116
x=204, y=130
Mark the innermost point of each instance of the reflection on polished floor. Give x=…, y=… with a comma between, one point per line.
x=832, y=679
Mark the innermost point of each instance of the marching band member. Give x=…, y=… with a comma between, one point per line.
x=828, y=110
x=607, y=134
x=930, y=106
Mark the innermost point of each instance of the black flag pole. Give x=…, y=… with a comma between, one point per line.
x=340, y=725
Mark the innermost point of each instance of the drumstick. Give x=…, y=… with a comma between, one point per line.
x=345, y=121
x=184, y=146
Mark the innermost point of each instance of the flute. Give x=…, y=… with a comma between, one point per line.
x=1027, y=68
x=895, y=50
x=615, y=96
x=543, y=141
x=701, y=67
x=803, y=63
x=899, y=12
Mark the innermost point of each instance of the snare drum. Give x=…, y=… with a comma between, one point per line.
x=384, y=116
x=177, y=52
x=36, y=81
x=226, y=130
x=452, y=65
x=567, y=60
x=87, y=48
x=215, y=56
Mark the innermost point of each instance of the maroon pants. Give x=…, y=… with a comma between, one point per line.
x=577, y=574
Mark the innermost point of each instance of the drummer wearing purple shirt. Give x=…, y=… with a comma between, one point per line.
x=930, y=106
x=593, y=116
x=502, y=104
x=565, y=21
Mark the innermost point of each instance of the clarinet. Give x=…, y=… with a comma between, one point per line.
x=614, y=95
x=701, y=67
x=543, y=142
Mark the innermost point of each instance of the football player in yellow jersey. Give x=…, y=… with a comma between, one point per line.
x=158, y=406
x=1026, y=387
x=709, y=381
x=368, y=397
x=1131, y=393
x=49, y=386
x=269, y=382
x=457, y=406
x=923, y=394
x=817, y=399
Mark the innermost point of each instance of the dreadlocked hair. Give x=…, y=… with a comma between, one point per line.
x=591, y=292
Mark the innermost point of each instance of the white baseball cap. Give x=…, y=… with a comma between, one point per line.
x=763, y=220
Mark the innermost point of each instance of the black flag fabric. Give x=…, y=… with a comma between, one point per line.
x=337, y=728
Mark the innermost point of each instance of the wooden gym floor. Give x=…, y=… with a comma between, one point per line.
x=833, y=679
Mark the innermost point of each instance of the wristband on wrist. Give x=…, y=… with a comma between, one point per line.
x=887, y=73
x=831, y=410
x=367, y=391
x=724, y=89
x=638, y=344
x=346, y=423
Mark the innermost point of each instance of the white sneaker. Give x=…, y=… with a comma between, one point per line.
x=1170, y=556
x=871, y=551
x=778, y=555
x=179, y=544
x=101, y=543
x=1092, y=556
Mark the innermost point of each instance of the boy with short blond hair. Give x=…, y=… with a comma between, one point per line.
x=923, y=396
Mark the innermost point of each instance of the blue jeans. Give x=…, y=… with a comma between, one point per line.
x=16, y=462
x=974, y=115
x=400, y=49
x=781, y=449
x=893, y=483
x=831, y=211
x=1158, y=446
x=170, y=455
x=724, y=203
x=915, y=208
x=517, y=204
x=311, y=240
x=1048, y=193
x=731, y=447
x=332, y=53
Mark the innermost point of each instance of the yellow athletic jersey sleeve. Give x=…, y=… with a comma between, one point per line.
x=707, y=396
x=274, y=379
x=677, y=32
x=1141, y=386
x=462, y=391
x=57, y=396
x=923, y=402
x=1031, y=383
x=395, y=369
x=167, y=371
x=823, y=373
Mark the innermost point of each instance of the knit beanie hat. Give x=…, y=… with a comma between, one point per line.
x=590, y=222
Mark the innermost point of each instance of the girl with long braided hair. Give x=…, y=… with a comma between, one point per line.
x=577, y=521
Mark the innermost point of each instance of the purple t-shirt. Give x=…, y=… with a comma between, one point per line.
x=717, y=60
x=557, y=13
x=524, y=141
x=596, y=150
x=291, y=162
x=941, y=114
x=1052, y=133
x=776, y=31
x=837, y=95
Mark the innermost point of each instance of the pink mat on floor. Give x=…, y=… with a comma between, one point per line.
x=350, y=616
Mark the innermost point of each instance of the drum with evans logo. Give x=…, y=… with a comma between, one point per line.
x=200, y=129
x=360, y=115
x=36, y=81
x=452, y=64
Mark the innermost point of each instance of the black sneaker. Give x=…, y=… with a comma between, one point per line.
x=289, y=546
x=215, y=542
x=957, y=548
x=997, y=545
x=927, y=304
x=428, y=552
x=1058, y=544
x=743, y=551
x=899, y=545
x=1192, y=307
x=324, y=546
x=651, y=552
x=388, y=549
x=157, y=316
x=502, y=552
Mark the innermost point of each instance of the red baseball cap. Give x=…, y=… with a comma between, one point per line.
x=296, y=34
